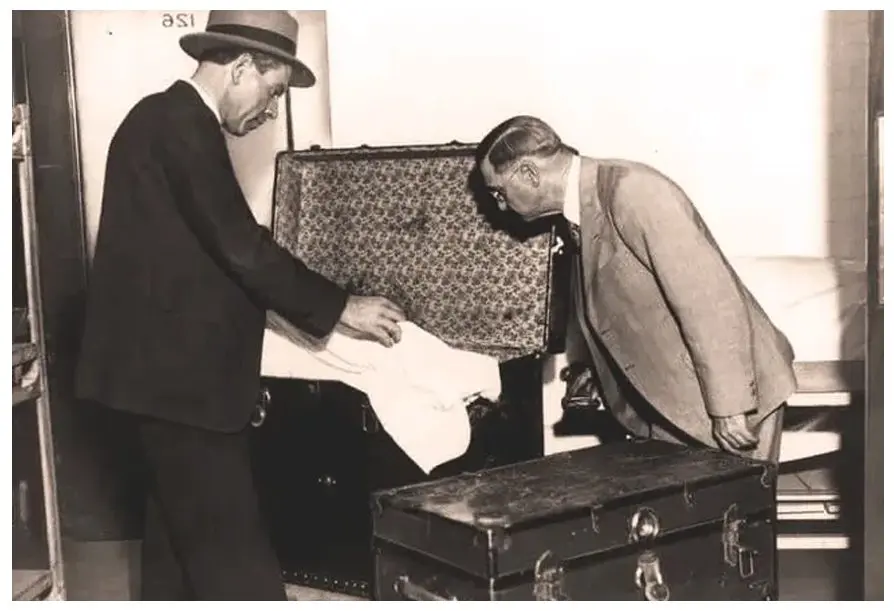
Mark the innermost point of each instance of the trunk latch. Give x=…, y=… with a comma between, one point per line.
x=649, y=579
x=644, y=525
x=735, y=554
x=549, y=578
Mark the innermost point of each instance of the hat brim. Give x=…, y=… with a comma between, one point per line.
x=195, y=44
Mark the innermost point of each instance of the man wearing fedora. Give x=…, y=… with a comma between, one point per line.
x=181, y=281
x=680, y=349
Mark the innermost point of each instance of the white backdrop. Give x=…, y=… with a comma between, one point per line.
x=732, y=104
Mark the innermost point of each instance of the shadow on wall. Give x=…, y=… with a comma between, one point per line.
x=847, y=77
x=847, y=84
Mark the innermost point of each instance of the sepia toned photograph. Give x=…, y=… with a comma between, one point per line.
x=453, y=303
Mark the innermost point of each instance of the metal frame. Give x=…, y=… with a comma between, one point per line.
x=873, y=429
x=50, y=584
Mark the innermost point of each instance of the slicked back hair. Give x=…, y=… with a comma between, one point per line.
x=518, y=137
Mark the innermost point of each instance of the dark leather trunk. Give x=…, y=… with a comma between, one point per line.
x=412, y=224
x=623, y=521
x=320, y=453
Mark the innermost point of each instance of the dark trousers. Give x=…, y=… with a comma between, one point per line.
x=204, y=536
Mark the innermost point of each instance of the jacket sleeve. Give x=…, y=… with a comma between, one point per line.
x=661, y=226
x=211, y=202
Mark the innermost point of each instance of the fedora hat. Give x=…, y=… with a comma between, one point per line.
x=272, y=32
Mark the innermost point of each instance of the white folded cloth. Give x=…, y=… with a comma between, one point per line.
x=419, y=388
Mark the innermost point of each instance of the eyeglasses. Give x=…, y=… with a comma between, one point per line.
x=499, y=193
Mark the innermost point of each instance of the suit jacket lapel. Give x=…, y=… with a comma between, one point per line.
x=599, y=181
x=597, y=187
x=590, y=211
x=591, y=227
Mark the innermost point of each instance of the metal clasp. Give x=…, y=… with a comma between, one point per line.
x=688, y=497
x=257, y=419
x=549, y=578
x=735, y=554
x=644, y=525
x=649, y=579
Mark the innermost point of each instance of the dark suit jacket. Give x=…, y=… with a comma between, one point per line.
x=183, y=274
x=677, y=326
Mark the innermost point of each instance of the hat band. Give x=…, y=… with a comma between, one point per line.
x=257, y=34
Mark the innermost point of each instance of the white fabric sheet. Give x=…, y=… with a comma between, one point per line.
x=418, y=389
x=818, y=303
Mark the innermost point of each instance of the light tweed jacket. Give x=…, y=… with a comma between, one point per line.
x=679, y=327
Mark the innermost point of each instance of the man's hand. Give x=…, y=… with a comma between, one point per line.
x=373, y=318
x=581, y=390
x=733, y=434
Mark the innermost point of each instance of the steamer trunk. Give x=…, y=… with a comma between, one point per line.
x=410, y=223
x=624, y=521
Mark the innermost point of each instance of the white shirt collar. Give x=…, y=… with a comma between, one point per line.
x=205, y=98
x=571, y=209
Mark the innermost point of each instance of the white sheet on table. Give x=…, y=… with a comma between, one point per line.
x=818, y=303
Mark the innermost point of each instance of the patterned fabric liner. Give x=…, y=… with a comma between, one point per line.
x=405, y=223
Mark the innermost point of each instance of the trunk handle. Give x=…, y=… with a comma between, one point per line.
x=411, y=591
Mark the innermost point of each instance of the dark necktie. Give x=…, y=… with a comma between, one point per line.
x=574, y=232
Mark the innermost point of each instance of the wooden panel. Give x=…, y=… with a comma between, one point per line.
x=873, y=512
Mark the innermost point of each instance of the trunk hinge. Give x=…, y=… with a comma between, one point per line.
x=735, y=554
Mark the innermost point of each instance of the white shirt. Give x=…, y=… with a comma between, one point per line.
x=571, y=208
x=205, y=98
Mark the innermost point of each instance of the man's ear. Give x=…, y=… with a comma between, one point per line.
x=240, y=65
x=530, y=173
